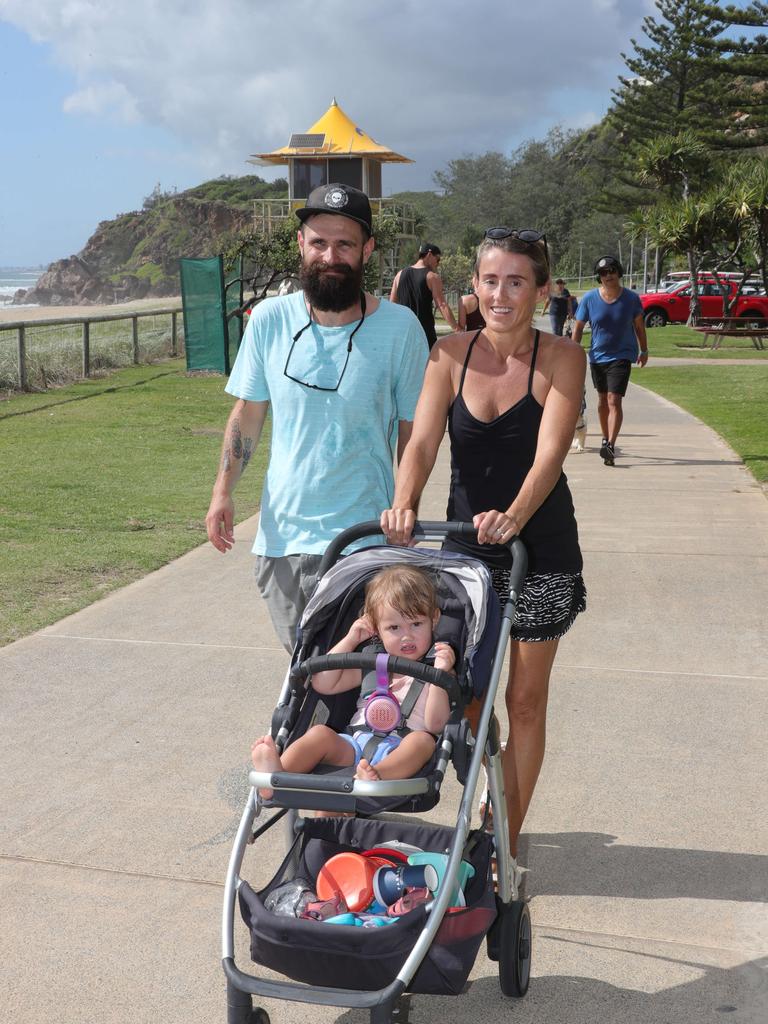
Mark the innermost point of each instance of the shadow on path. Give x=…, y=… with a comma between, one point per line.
x=594, y=864
x=737, y=995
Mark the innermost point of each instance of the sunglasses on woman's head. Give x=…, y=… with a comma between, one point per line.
x=528, y=235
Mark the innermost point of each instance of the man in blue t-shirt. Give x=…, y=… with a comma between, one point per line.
x=618, y=340
x=340, y=371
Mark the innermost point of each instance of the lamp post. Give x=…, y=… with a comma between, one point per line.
x=581, y=253
x=631, y=260
x=645, y=264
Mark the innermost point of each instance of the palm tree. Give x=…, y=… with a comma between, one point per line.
x=678, y=166
x=684, y=227
x=746, y=200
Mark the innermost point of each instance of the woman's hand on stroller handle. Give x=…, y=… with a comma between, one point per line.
x=401, y=527
x=397, y=526
x=432, y=530
x=494, y=527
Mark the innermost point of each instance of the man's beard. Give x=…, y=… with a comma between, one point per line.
x=328, y=292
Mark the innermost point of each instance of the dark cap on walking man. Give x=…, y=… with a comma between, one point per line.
x=343, y=200
x=429, y=249
x=607, y=265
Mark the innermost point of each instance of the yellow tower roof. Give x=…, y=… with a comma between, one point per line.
x=333, y=135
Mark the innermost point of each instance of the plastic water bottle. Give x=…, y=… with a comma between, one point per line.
x=290, y=899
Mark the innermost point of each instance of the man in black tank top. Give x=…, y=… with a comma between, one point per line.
x=419, y=287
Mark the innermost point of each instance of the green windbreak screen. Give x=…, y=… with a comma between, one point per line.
x=234, y=292
x=205, y=328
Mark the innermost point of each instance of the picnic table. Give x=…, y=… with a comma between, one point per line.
x=719, y=327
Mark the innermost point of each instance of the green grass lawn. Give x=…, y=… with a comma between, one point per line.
x=731, y=399
x=104, y=481
x=676, y=340
x=685, y=343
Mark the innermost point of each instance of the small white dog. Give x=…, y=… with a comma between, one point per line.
x=579, y=442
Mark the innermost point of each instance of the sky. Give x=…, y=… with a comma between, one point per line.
x=100, y=100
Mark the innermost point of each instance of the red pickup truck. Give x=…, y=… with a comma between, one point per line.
x=673, y=305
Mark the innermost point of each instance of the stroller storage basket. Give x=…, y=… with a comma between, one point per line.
x=344, y=956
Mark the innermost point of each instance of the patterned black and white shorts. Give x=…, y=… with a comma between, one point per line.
x=548, y=603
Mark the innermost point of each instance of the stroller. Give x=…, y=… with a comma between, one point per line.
x=432, y=948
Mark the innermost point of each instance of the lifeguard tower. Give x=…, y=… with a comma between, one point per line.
x=335, y=149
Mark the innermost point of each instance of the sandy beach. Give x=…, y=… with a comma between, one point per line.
x=13, y=314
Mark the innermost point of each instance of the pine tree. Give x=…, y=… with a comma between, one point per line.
x=742, y=64
x=670, y=86
x=694, y=76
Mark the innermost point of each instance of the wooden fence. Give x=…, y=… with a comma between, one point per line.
x=67, y=344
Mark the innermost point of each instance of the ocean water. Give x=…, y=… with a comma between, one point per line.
x=12, y=278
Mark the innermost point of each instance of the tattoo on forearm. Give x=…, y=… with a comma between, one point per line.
x=237, y=440
x=236, y=448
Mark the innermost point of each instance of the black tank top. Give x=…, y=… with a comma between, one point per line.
x=413, y=291
x=475, y=319
x=489, y=462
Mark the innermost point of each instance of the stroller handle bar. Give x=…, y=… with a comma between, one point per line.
x=366, y=660
x=431, y=530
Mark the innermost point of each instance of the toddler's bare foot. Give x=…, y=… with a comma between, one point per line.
x=265, y=759
x=366, y=772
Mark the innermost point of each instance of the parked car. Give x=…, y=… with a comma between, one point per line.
x=674, y=305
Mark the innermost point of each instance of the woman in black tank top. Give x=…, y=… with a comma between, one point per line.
x=470, y=317
x=511, y=397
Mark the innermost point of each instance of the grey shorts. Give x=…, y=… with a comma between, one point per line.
x=286, y=584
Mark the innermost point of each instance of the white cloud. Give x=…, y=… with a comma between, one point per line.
x=431, y=81
x=110, y=98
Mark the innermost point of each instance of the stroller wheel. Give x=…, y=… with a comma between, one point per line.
x=259, y=1016
x=513, y=945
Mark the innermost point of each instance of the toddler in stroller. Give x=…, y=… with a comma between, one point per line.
x=395, y=726
x=430, y=948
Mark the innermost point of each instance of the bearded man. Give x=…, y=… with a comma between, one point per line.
x=340, y=371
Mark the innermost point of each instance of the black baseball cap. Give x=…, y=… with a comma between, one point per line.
x=343, y=200
x=608, y=263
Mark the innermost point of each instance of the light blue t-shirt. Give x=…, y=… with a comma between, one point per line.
x=613, y=333
x=330, y=462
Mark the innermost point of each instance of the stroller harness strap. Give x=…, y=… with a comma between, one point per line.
x=371, y=684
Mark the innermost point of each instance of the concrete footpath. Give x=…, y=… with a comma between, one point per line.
x=126, y=728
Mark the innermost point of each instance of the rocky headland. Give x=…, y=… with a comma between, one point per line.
x=136, y=255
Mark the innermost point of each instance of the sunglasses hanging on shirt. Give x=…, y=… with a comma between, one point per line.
x=297, y=336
